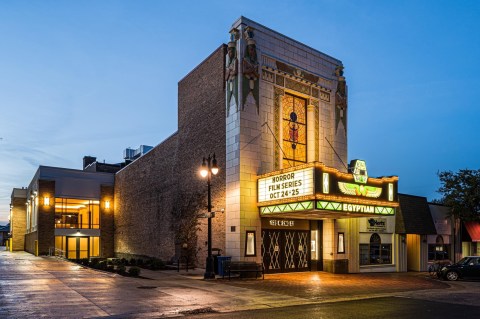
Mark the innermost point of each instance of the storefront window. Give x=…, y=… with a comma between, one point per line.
x=77, y=213
x=375, y=252
x=294, y=124
x=438, y=251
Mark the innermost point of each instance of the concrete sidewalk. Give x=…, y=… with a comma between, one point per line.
x=32, y=287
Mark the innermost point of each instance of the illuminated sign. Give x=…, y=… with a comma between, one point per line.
x=281, y=222
x=359, y=190
x=355, y=208
x=286, y=185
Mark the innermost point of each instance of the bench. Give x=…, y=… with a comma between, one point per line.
x=242, y=267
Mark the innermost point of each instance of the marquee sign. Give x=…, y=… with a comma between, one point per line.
x=317, y=189
x=287, y=185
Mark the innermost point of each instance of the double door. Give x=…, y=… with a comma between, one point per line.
x=77, y=247
x=285, y=250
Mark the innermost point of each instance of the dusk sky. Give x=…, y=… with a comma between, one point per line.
x=95, y=77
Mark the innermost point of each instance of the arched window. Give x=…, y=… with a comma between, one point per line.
x=375, y=252
x=438, y=251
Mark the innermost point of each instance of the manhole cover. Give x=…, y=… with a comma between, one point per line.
x=147, y=287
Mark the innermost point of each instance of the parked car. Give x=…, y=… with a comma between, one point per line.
x=467, y=267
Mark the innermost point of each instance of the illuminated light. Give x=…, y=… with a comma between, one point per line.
x=214, y=166
x=46, y=201
x=107, y=204
x=357, y=190
x=204, y=169
x=326, y=183
x=292, y=184
x=390, y=192
x=292, y=207
x=359, y=171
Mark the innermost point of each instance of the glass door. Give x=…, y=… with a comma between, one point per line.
x=77, y=247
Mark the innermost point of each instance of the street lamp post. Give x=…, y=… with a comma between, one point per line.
x=209, y=167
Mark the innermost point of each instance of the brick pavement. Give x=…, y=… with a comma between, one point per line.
x=324, y=286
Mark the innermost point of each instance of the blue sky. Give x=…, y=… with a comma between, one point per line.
x=95, y=77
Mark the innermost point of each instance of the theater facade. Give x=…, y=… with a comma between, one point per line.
x=293, y=200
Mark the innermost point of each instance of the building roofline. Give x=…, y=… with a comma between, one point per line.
x=243, y=19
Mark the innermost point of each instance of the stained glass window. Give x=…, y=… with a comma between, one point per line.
x=294, y=139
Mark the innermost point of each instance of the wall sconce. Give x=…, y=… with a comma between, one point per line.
x=46, y=201
x=107, y=204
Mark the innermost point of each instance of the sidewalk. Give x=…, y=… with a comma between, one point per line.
x=32, y=287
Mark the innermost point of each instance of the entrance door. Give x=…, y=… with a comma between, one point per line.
x=285, y=250
x=77, y=247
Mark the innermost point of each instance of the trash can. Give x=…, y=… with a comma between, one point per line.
x=220, y=262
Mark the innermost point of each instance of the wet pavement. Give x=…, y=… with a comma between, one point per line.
x=48, y=287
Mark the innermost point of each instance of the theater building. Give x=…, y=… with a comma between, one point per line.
x=275, y=113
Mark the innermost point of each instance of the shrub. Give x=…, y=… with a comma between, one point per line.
x=133, y=262
x=157, y=264
x=121, y=269
x=123, y=261
x=134, y=271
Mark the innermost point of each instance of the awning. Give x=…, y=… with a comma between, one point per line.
x=473, y=229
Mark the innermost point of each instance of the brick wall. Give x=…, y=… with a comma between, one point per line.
x=46, y=217
x=202, y=131
x=106, y=221
x=148, y=191
x=18, y=223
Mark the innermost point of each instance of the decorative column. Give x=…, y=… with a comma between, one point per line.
x=311, y=133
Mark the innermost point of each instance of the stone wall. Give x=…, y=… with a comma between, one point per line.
x=151, y=191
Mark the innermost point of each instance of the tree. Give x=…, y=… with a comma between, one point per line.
x=461, y=191
x=185, y=225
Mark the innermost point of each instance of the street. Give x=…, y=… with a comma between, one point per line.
x=49, y=287
x=381, y=308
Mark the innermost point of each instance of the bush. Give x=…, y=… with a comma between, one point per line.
x=121, y=269
x=134, y=271
x=123, y=261
x=102, y=265
x=133, y=262
x=157, y=264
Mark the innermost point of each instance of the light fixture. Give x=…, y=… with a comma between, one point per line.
x=46, y=201
x=107, y=204
x=204, y=169
x=209, y=167
x=214, y=165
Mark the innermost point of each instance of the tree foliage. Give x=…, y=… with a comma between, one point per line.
x=185, y=214
x=461, y=191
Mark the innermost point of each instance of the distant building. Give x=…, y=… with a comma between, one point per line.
x=66, y=212
x=4, y=234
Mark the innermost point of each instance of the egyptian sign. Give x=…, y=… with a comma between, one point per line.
x=287, y=185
